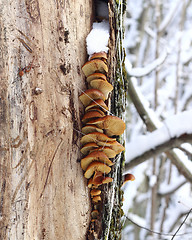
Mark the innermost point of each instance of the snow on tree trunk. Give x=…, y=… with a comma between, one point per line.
x=43, y=192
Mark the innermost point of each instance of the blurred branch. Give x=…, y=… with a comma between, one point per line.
x=164, y=147
x=155, y=232
x=171, y=191
x=169, y=16
x=143, y=71
x=152, y=123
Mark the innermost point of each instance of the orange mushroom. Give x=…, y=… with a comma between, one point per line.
x=95, y=213
x=89, y=95
x=96, y=137
x=96, y=166
x=96, y=199
x=116, y=146
x=107, y=150
x=99, y=55
x=99, y=103
x=90, y=128
x=95, y=65
x=91, y=116
x=96, y=76
x=112, y=125
x=104, y=86
x=95, y=156
x=89, y=146
x=95, y=192
x=128, y=177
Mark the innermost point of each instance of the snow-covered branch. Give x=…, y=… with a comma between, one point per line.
x=141, y=72
x=170, y=189
x=144, y=152
x=169, y=16
x=177, y=129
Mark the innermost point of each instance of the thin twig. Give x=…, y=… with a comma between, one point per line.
x=174, y=235
x=160, y=233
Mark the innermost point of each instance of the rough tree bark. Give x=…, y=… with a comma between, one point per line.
x=43, y=194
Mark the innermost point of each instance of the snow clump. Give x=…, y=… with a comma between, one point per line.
x=97, y=40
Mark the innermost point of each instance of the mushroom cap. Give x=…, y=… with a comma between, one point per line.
x=87, y=147
x=116, y=146
x=99, y=103
x=96, y=199
x=95, y=65
x=98, y=180
x=99, y=55
x=95, y=156
x=104, y=86
x=107, y=150
x=96, y=137
x=91, y=116
x=96, y=166
x=95, y=192
x=107, y=180
x=95, y=213
x=96, y=109
x=112, y=124
x=128, y=177
x=89, y=95
x=96, y=76
x=90, y=128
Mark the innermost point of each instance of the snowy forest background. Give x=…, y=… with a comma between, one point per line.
x=158, y=44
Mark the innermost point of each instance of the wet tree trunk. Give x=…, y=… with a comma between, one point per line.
x=43, y=194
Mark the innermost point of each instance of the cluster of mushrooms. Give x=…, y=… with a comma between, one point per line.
x=98, y=142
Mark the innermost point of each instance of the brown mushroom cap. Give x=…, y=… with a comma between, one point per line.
x=96, y=199
x=107, y=150
x=95, y=213
x=96, y=166
x=91, y=94
x=95, y=65
x=99, y=55
x=104, y=86
x=95, y=156
x=96, y=137
x=97, y=110
x=99, y=103
x=112, y=124
x=87, y=147
x=128, y=177
x=107, y=180
x=98, y=180
x=96, y=76
x=91, y=116
x=90, y=128
x=95, y=192
x=116, y=146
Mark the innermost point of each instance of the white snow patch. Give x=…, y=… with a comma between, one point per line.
x=152, y=180
x=97, y=39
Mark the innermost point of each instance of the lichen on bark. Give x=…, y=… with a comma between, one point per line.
x=112, y=212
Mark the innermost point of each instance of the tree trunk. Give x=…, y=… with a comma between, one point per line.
x=43, y=193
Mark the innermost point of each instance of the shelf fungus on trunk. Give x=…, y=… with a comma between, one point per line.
x=98, y=145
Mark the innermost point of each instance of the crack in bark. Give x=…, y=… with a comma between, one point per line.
x=49, y=169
